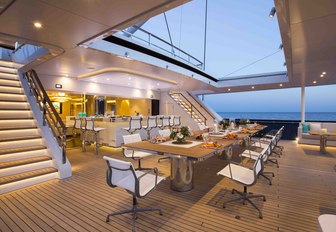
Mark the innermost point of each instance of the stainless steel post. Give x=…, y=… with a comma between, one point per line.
x=182, y=172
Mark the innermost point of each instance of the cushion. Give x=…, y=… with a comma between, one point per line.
x=305, y=127
x=315, y=126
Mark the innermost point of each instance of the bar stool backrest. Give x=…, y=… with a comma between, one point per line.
x=166, y=120
x=177, y=121
x=171, y=120
x=78, y=123
x=89, y=124
x=151, y=122
x=135, y=122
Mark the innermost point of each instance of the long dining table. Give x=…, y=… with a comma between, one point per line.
x=183, y=156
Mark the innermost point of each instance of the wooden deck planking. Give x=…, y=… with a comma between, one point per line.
x=302, y=189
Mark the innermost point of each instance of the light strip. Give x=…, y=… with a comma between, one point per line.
x=125, y=70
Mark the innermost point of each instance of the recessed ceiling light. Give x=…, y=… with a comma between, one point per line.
x=157, y=83
x=107, y=79
x=324, y=73
x=229, y=89
x=280, y=85
x=252, y=87
x=314, y=82
x=37, y=25
x=129, y=78
x=128, y=83
x=321, y=75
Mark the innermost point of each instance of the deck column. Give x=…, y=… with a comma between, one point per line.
x=302, y=104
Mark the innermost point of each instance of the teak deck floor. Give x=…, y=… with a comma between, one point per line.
x=304, y=187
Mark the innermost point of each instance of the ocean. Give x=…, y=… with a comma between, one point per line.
x=310, y=116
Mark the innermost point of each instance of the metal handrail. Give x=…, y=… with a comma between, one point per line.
x=191, y=106
x=198, y=64
x=49, y=113
x=206, y=110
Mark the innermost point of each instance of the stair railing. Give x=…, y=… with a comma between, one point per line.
x=193, y=109
x=205, y=109
x=49, y=113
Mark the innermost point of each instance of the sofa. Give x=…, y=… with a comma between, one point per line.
x=305, y=138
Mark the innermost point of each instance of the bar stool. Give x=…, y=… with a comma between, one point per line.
x=165, y=121
x=171, y=120
x=177, y=121
x=151, y=124
x=89, y=127
x=134, y=124
x=78, y=127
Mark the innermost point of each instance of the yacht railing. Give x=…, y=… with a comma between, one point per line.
x=193, y=109
x=153, y=40
x=49, y=113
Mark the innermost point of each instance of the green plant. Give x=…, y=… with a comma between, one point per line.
x=224, y=123
x=180, y=133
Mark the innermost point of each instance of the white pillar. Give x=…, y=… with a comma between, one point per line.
x=302, y=104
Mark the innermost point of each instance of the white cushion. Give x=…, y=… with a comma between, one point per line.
x=137, y=154
x=239, y=173
x=250, y=154
x=315, y=126
x=327, y=222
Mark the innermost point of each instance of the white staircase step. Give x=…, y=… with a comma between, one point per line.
x=28, y=179
x=9, y=64
x=8, y=69
x=9, y=76
x=16, y=114
x=14, y=105
x=25, y=168
x=12, y=97
x=6, y=89
x=18, y=123
x=24, y=154
x=6, y=82
x=21, y=143
x=19, y=132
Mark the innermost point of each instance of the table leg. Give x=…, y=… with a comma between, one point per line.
x=323, y=143
x=182, y=172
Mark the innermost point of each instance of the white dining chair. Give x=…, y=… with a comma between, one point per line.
x=134, y=124
x=90, y=128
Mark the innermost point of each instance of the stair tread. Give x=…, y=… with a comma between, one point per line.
x=28, y=118
x=11, y=93
x=17, y=127
x=20, y=138
x=19, y=162
x=8, y=79
x=15, y=109
x=22, y=149
x=11, y=86
x=26, y=175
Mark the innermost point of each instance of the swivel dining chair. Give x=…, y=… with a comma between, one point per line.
x=90, y=128
x=151, y=124
x=137, y=183
x=134, y=124
x=164, y=133
x=135, y=155
x=246, y=177
x=266, y=151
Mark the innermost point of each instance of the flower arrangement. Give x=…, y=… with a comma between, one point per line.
x=180, y=133
x=224, y=123
x=244, y=121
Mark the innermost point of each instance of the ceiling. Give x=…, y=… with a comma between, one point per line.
x=307, y=30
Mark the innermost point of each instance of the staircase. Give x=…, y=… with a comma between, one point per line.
x=193, y=108
x=24, y=157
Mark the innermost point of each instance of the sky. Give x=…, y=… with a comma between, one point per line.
x=239, y=32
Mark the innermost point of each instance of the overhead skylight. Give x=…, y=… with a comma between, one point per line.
x=241, y=37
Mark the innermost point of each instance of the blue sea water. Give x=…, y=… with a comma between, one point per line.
x=310, y=116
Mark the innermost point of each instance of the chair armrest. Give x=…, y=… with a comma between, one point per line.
x=149, y=171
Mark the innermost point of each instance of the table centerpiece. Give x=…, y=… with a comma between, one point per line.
x=180, y=134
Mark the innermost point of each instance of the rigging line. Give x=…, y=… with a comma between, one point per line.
x=180, y=28
x=205, y=32
x=171, y=41
x=252, y=63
